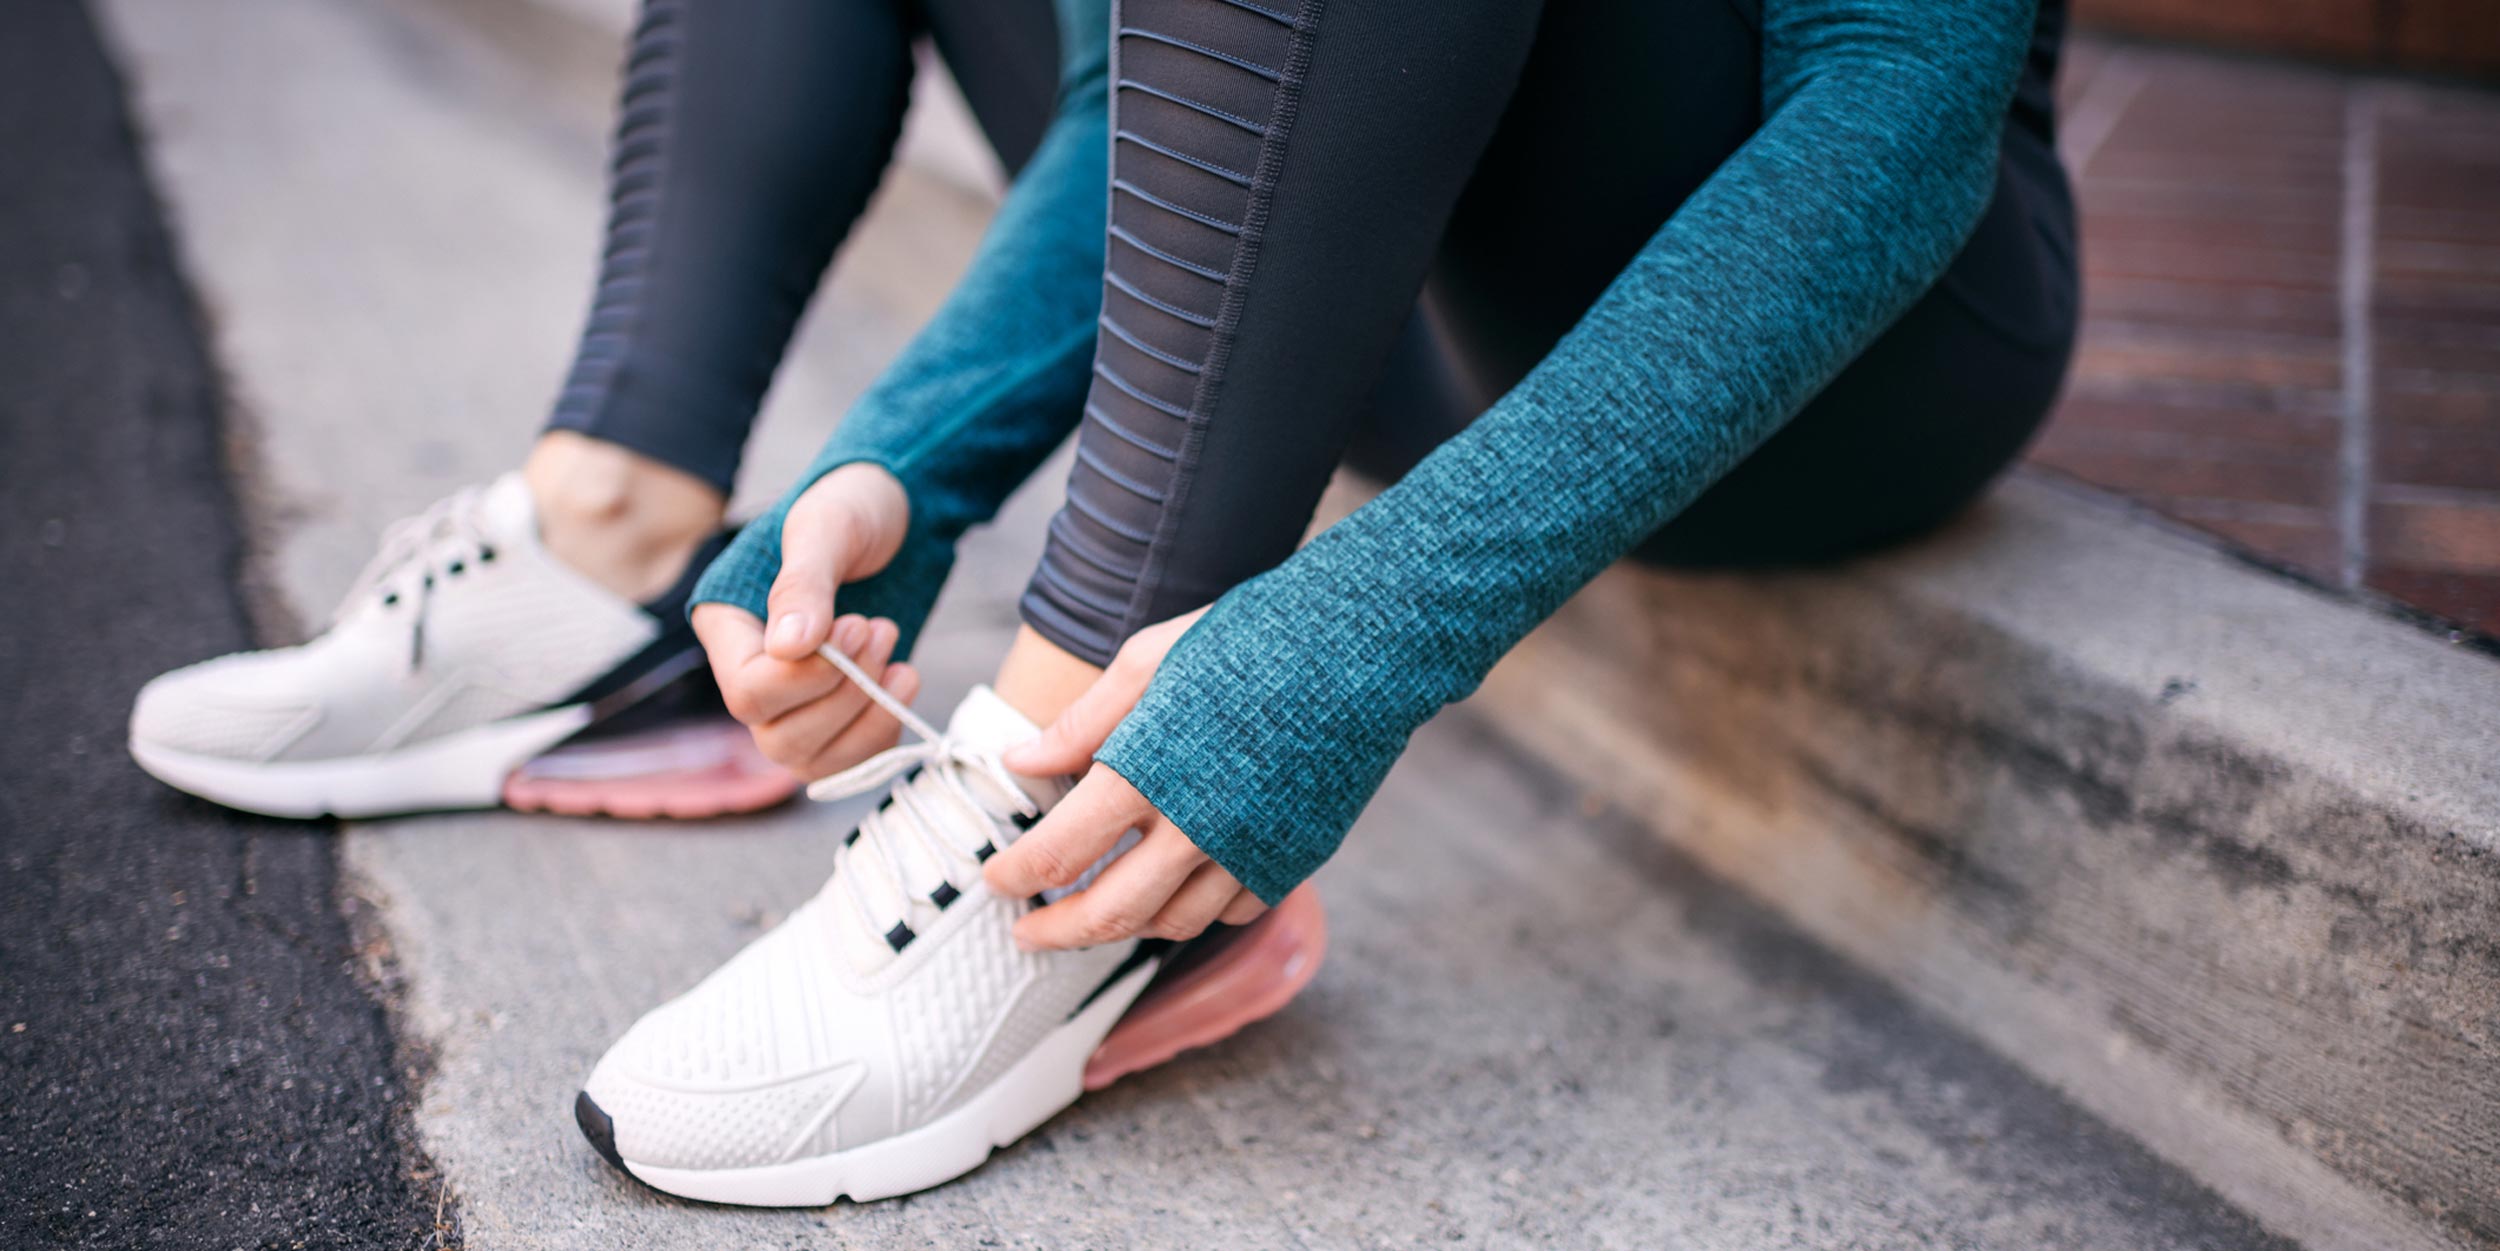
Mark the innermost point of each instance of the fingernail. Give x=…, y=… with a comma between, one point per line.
x=789, y=631
x=849, y=633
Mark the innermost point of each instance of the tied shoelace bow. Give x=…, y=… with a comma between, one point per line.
x=948, y=769
x=445, y=537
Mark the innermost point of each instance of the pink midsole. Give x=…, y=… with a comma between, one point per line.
x=1252, y=978
x=695, y=769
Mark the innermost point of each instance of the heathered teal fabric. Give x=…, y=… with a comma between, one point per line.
x=1274, y=720
x=997, y=378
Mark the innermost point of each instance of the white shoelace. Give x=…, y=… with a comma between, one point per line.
x=441, y=541
x=913, y=816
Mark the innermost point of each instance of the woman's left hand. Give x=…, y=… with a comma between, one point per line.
x=1164, y=887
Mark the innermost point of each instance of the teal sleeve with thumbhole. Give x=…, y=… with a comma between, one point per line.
x=1276, y=717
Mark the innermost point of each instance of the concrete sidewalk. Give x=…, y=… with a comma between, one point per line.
x=1538, y=1026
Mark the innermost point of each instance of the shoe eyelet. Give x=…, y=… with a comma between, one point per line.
x=456, y=568
x=486, y=555
x=391, y=600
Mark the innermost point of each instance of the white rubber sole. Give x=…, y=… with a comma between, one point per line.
x=1037, y=1088
x=462, y=770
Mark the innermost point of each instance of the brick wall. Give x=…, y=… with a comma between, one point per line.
x=2449, y=36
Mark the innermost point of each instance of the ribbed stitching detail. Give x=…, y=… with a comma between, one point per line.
x=1253, y=67
x=1130, y=290
x=1233, y=176
x=1211, y=275
x=638, y=169
x=1228, y=316
x=1126, y=187
x=1128, y=436
x=1130, y=84
x=1121, y=333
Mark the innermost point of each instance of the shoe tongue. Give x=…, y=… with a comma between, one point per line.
x=986, y=723
x=989, y=725
x=509, y=512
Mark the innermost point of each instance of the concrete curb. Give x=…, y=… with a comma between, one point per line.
x=2211, y=851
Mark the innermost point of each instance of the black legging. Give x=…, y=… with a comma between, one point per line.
x=1400, y=283
x=749, y=138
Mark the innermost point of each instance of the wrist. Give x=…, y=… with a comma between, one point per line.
x=868, y=505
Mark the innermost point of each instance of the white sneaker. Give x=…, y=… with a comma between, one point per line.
x=463, y=651
x=888, y=1035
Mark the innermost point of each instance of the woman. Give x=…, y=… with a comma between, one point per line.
x=1735, y=284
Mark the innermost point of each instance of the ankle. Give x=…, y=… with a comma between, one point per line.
x=1040, y=679
x=619, y=518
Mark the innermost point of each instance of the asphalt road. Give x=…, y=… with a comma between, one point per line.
x=187, y=1056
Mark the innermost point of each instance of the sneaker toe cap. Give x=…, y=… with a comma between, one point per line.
x=664, y=1125
x=224, y=708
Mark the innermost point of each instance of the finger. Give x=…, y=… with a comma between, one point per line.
x=800, y=607
x=873, y=731
x=903, y=681
x=730, y=637
x=1078, y=832
x=1070, y=741
x=1244, y=909
x=771, y=687
x=1196, y=905
x=1120, y=903
x=803, y=731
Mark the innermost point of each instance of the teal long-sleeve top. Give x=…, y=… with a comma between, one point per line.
x=1298, y=689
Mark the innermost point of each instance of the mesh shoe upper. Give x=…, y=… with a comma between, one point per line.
x=465, y=620
x=825, y=1034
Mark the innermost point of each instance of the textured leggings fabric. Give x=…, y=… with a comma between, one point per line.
x=1202, y=94
x=748, y=140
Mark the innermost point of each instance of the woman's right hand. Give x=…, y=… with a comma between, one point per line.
x=806, y=717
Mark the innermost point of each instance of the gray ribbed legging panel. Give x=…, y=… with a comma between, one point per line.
x=1198, y=85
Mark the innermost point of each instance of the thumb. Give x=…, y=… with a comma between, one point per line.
x=799, y=611
x=1069, y=743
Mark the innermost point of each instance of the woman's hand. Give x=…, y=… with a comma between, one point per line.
x=1164, y=887
x=805, y=716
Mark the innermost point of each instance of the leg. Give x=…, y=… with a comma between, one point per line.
x=748, y=140
x=1279, y=183
x=1004, y=57
x=1280, y=175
